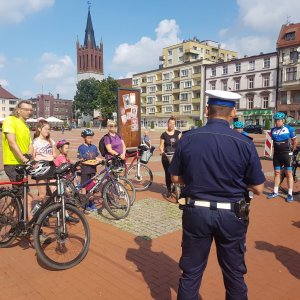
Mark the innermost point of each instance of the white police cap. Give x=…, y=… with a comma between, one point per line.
x=222, y=98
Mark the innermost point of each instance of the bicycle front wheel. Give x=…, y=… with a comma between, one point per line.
x=116, y=199
x=10, y=215
x=61, y=243
x=141, y=180
x=129, y=188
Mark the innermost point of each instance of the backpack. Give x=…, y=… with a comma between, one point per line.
x=102, y=147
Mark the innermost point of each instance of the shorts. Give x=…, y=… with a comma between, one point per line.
x=13, y=175
x=283, y=159
x=86, y=177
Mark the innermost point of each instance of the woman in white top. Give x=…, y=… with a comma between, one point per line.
x=43, y=149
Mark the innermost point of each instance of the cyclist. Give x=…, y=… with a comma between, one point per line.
x=285, y=142
x=239, y=127
x=168, y=142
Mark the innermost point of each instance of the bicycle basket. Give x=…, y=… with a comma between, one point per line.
x=145, y=156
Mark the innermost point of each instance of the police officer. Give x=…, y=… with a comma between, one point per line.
x=217, y=165
x=239, y=127
x=284, y=142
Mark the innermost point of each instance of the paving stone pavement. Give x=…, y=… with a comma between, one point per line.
x=148, y=217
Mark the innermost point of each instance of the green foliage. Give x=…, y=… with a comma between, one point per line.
x=87, y=93
x=267, y=124
x=199, y=123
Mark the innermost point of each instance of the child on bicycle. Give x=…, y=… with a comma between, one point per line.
x=88, y=152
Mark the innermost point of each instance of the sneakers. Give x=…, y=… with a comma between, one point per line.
x=92, y=207
x=72, y=219
x=45, y=239
x=289, y=198
x=272, y=195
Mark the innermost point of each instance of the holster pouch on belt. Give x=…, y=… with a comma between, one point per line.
x=186, y=202
x=242, y=209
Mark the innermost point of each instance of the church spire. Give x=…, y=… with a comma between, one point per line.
x=89, y=38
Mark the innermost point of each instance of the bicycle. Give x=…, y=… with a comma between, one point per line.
x=137, y=172
x=115, y=196
x=175, y=187
x=295, y=164
x=59, y=244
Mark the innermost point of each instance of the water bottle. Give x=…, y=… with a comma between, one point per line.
x=36, y=208
x=90, y=185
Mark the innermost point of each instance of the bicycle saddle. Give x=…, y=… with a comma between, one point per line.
x=63, y=168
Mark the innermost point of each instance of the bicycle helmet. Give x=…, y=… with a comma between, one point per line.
x=238, y=124
x=40, y=168
x=87, y=132
x=61, y=143
x=279, y=116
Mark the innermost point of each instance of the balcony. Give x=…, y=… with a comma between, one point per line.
x=162, y=58
x=290, y=84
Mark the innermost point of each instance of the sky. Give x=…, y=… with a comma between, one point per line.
x=38, y=37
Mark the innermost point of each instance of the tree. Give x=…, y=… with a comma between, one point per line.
x=107, y=98
x=87, y=94
x=267, y=124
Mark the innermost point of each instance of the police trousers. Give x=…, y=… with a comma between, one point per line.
x=202, y=225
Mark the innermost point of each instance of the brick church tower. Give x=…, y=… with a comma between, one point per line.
x=89, y=55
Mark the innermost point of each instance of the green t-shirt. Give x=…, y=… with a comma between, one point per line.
x=20, y=129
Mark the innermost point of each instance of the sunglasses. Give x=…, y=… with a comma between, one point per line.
x=113, y=126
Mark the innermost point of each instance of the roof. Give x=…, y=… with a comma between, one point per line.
x=4, y=94
x=125, y=82
x=289, y=28
x=89, y=32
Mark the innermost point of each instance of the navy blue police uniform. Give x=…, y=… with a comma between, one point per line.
x=216, y=164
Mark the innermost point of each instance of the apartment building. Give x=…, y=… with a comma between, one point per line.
x=288, y=47
x=8, y=102
x=255, y=78
x=175, y=88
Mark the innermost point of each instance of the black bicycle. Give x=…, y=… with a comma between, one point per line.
x=59, y=243
x=295, y=164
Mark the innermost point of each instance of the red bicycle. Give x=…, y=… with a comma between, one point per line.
x=137, y=171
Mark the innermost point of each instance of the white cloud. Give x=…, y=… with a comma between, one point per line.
x=28, y=94
x=3, y=82
x=58, y=74
x=258, y=24
x=144, y=54
x=15, y=11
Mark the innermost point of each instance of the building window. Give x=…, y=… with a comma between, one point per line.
x=213, y=71
x=169, y=87
x=3, y=101
x=187, y=84
x=213, y=85
x=251, y=64
x=150, y=79
x=184, y=96
x=291, y=73
x=3, y=108
x=207, y=51
x=135, y=81
x=225, y=70
x=294, y=55
x=267, y=62
x=238, y=67
x=180, y=59
x=180, y=49
x=166, y=76
x=251, y=83
x=11, y=102
x=187, y=108
x=151, y=110
x=289, y=36
x=295, y=97
x=170, y=61
x=166, y=98
x=283, y=97
x=250, y=102
x=265, y=102
x=150, y=100
x=266, y=81
x=169, y=52
x=184, y=73
x=237, y=84
x=168, y=109
x=151, y=89
x=225, y=86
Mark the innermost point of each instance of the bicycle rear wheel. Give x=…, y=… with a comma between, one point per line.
x=10, y=215
x=57, y=247
x=116, y=199
x=129, y=188
x=141, y=181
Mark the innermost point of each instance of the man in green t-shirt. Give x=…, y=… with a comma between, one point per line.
x=16, y=139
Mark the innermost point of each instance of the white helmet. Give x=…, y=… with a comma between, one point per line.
x=40, y=168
